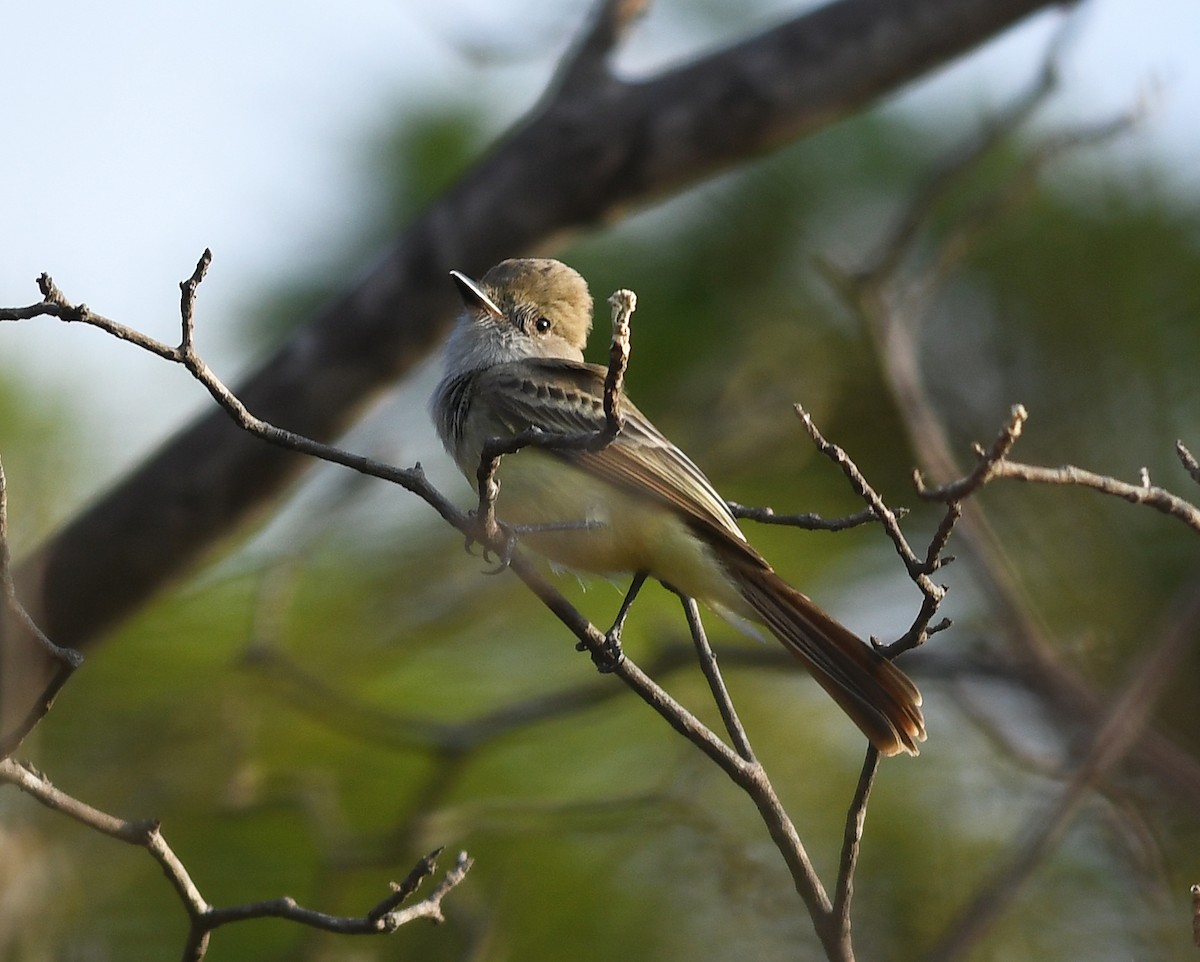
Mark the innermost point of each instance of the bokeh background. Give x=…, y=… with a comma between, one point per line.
x=294, y=712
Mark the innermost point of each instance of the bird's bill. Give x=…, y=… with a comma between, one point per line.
x=474, y=296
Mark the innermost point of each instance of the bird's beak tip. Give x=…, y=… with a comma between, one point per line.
x=473, y=295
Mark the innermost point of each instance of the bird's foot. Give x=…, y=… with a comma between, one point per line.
x=609, y=655
x=488, y=537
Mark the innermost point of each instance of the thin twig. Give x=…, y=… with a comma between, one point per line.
x=876, y=504
x=856, y=817
x=987, y=465
x=716, y=684
x=403, y=890
x=994, y=463
x=1150, y=495
x=385, y=917
x=919, y=569
x=806, y=521
x=1189, y=462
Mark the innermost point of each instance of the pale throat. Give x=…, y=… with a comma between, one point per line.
x=477, y=343
x=474, y=345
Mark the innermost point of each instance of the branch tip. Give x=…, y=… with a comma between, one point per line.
x=1188, y=460
x=609, y=23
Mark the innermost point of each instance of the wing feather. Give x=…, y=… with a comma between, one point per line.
x=568, y=398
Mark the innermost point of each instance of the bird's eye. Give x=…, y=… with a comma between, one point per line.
x=542, y=325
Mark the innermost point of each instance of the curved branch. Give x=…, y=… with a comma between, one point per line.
x=587, y=153
x=384, y=918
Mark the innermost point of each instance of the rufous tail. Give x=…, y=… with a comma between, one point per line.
x=877, y=695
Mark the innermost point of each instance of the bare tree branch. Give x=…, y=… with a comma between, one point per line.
x=919, y=569
x=716, y=684
x=587, y=152
x=985, y=468
x=995, y=464
x=1143, y=493
x=891, y=292
x=832, y=924
x=807, y=521
x=856, y=817
x=384, y=918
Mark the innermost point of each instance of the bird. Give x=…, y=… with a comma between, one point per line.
x=514, y=363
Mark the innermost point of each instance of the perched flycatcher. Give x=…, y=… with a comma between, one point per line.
x=515, y=361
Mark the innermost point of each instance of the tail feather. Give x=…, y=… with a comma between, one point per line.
x=877, y=695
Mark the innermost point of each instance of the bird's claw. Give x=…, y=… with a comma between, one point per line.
x=609, y=655
x=485, y=538
x=503, y=557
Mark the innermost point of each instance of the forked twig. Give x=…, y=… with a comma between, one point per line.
x=749, y=775
x=919, y=569
x=385, y=917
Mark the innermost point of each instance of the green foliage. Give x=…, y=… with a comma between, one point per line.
x=33, y=438
x=303, y=757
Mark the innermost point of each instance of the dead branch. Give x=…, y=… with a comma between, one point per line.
x=587, y=152
x=745, y=772
x=919, y=569
x=716, y=684
x=384, y=918
x=805, y=520
x=1143, y=492
x=892, y=292
x=856, y=817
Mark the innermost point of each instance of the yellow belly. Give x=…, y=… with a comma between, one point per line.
x=627, y=533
